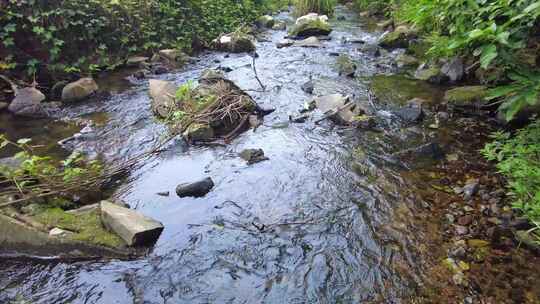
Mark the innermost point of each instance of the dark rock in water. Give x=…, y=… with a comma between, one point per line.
x=410, y=114
x=164, y=193
x=159, y=69
x=399, y=38
x=333, y=54
x=265, y=111
x=454, y=69
x=430, y=150
x=284, y=43
x=253, y=156
x=196, y=189
x=308, y=87
x=299, y=119
x=139, y=75
x=341, y=18
x=225, y=69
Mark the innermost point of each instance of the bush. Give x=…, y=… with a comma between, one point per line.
x=323, y=7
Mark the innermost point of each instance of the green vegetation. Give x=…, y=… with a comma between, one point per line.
x=518, y=159
x=324, y=7
x=59, y=38
x=86, y=227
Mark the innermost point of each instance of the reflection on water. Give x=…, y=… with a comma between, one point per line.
x=299, y=228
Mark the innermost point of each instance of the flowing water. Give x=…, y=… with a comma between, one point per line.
x=307, y=226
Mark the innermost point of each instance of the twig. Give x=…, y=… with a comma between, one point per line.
x=256, y=76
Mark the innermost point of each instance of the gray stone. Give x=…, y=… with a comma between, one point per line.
x=461, y=230
x=234, y=42
x=28, y=102
x=346, y=66
x=404, y=60
x=470, y=189
x=308, y=87
x=133, y=227
x=310, y=25
x=162, y=93
x=60, y=233
x=253, y=156
x=10, y=163
x=309, y=42
x=136, y=61
x=284, y=43
x=79, y=90
x=340, y=109
x=410, y=114
x=453, y=69
x=173, y=56
x=196, y=189
x=399, y=38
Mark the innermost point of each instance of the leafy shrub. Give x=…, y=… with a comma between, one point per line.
x=324, y=7
x=518, y=159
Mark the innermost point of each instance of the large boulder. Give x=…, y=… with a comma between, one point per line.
x=196, y=189
x=79, y=90
x=339, y=107
x=27, y=102
x=162, y=93
x=399, y=38
x=310, y=25
x=133, y=227
x=234, y=42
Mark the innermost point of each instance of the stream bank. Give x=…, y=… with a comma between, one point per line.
x=335, y=215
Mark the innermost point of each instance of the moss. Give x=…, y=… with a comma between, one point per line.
x=310, y=28
x=466, y=94
x=87, y=227
x=398, y=89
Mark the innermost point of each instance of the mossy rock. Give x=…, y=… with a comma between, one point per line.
x=399, y=38
x=465, y=95
x=86, y=227
x=430, y=74
x=235, y=43
x=265, y=21
x=404, y=60
x=345, y=65
x=310, y=28
x=199, y=132
x=398, y=89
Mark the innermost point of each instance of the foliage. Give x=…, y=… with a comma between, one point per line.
x=324, y=7
x=81, y=36
x=518, y=159
x=39, y=175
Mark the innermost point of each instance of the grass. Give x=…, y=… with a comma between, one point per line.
x=87, y=227
x=323, y=7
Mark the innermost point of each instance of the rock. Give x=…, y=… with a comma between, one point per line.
x=466, y=95
x=399, y=38
x=310, y=25
x=308, y=87
x=309, y=42
x=234, y=42
x=253, y=156
x=520, y=224
x=470, y=189
x=79, y=90
x=3, y=105
x=139, y=75
x=254, y=121
x=162, y=93
x=60, y=233
x=342, y=111
x=346, y=66
x=431, y=150
x=412, y=114
x=198, y=132
x=385, y=24
x=265, y=21
x=341, y=18
x=133, y=227
x=430, y=74
x=465, y=220
x=404, y=60
x=399, y=90
x=284, y=43
x=196, y=189
x=159, y=69
x=527, y=238
x=299, y=119
x=84, y=209
x=28, y=102
x=173, y=56
x=476, y=243
x=442, y=116
x=461, y=230
x=453, y=69
x=136, y=61
x=164, y=193
x=279, y=25
x=10, y=163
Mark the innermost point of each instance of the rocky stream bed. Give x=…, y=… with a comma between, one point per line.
x=399, y=209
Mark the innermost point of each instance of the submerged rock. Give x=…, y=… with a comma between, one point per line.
x=346, y=66
x=466, y=95
x=309, y=42
x=3, y=105
x=79, y=90
x=234, y=42
x=133, y=227
x=196, y=189
x=310, y=25
x=162, y=93
x=398, y=89
x=28, y=102
x=253, y=156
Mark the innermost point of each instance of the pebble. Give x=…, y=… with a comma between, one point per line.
x=465, y=220
x=470, y=189
x=468, y=209
x=458, y=252
x=451, y=218
x=461, y=230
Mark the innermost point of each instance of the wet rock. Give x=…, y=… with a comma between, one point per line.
x=162, y=93
x=430, y=74
x=234, y=43
x=253, y=156
x=310, y=25
x=465, y=220
x=309, y=42
x=173, y=57
x=133, y=227
x=199, y=132
x=196, y=189
x=520, y=224
x=59, y=233
x=398, y=89
x=341, y=18
x=453, y=69
x=279, y=25
x=10, y=163
x=527, y=238
x=339, y=107
x=470, y=188
x=442, y=116
x=404, y=60
x=308, y=87
x=461, y=230
x=139, y=75
x=265, y=21
x=159, y=69
x=466, y=95
x=458, y=253
x=79, y=90
x=136, y=61
x=399, y=38
x=163, y=193
x=346, y=66
x=28, y=102
x=430, y=150
x=411, y=114
x=299, y=119
x=284, y=43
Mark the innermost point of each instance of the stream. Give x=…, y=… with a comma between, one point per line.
x=306, y=226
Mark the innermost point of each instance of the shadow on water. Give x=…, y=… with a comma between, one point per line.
x=302, y=227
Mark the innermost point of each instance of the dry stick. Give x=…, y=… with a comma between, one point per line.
x=256, y=76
